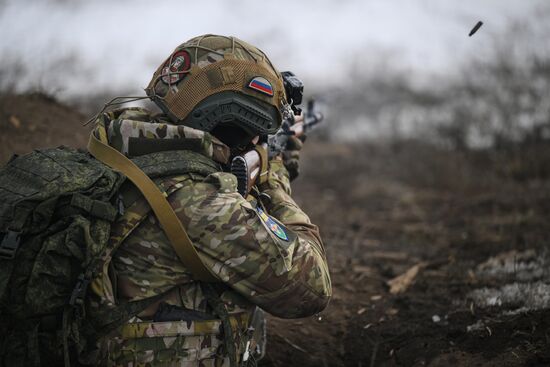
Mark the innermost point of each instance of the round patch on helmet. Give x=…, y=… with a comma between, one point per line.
x=262, y=85
x=176, y=67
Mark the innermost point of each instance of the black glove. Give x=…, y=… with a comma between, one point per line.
x=291, y=156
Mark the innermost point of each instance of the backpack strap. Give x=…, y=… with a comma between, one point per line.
x=168, y=219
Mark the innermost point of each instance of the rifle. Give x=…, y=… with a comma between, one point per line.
x=246, y=167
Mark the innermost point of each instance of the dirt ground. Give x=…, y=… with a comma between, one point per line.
x=473, y=240
x=37, y=121
x=437, y=258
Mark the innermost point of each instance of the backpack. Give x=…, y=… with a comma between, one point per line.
x=57, y=208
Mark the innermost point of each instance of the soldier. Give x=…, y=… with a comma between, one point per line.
x=219, y=97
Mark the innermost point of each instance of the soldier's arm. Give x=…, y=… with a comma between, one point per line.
x=277, y=262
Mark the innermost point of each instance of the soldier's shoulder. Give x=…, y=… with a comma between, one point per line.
x=210, y=201
x=223, y=182
x=198, y=185
x=134, y=113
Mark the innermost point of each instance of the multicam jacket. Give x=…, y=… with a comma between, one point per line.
x=264, y=253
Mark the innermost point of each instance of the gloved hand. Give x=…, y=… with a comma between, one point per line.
x=291, y=156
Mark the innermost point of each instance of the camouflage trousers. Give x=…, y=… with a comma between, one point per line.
x=169, y=344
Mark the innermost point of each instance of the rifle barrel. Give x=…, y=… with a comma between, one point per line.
x=302, y=124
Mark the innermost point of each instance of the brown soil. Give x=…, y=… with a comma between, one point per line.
x=382, y=210
x=37, y=121
x=385, y=209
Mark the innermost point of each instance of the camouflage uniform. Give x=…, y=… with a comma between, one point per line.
x=265, y=253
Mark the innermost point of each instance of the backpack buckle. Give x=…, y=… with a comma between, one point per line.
x=10, y=244
x=79, y=291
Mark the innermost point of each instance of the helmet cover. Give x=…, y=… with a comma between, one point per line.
x=209, y=66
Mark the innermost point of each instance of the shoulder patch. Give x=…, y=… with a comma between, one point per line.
x=224, y=181
x=272, y=225
x=262, y=85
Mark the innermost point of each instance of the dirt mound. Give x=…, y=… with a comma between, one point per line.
x=437, y=257
x=37, y=121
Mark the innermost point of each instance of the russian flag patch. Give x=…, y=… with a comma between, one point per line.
x=261, y=85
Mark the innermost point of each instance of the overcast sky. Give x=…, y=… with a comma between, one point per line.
x=116, y=45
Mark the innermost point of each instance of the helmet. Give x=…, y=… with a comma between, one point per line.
x=213, y=80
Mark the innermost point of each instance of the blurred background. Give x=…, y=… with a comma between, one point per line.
x=429, y=179
x=383, y=67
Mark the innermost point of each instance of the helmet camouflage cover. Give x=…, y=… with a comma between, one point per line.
x=210, y=79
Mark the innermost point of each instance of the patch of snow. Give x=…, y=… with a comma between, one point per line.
x=521, y=266
x=514, y=296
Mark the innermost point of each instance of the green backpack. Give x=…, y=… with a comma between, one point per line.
x=57, y=207
x=56, y=210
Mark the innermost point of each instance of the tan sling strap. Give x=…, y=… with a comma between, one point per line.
x=264, y=163
x=168, y=219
